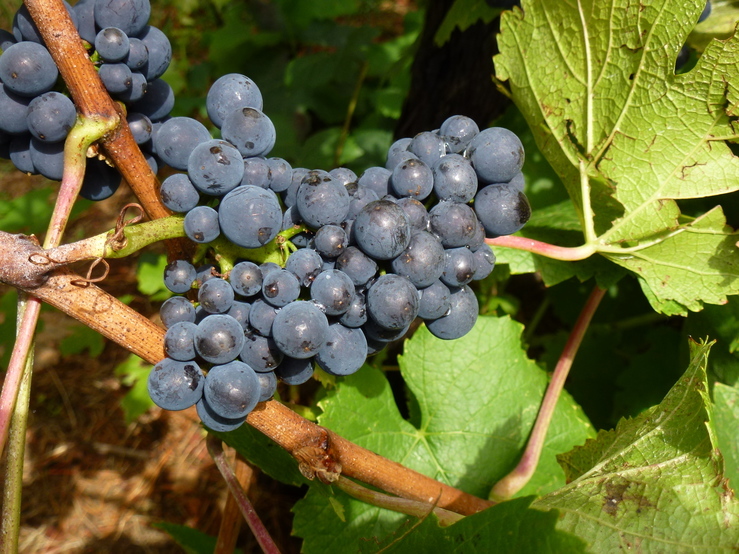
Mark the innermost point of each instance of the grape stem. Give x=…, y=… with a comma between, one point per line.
x=215, y=449
x=512, y=483
x=566, y=254
x=228, y=532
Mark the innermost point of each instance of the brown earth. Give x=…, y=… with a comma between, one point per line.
x=91, y=482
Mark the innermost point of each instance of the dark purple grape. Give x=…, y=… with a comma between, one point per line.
x=219, y=339
x=175, y=385
x=232, y=390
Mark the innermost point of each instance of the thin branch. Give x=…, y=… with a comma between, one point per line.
x=215, y=449
x=94, y=102
x=13, y=483
x=137, y=334
x=522, y=473
x=231, y=519
x=402, y=505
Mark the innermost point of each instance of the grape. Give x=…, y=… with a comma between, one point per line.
x=361, y=197
x=435, y=301
x=295, y=371
x=455, y=179
x=343, y=175
x=175, y=310
x=231, y=92
x=141, y=127
x=344, y=351
x=25, y=27
x=330, y=241
x=300, y=329
x=246, y=279
x=398, y=152
x=423, y=261
x=116, y=77
x=249, y=130
x=156, y=102
x=215, y=167
x=518, y=182
x=219, y=339
x=215, y=422
x=177, y=138
x=250, y=216
x=460, y=319
x=137, y=91
x=13, y=112
x=240, y=312
x=377, y=333
x=175, y=385
x=159, y=52
x=20, y=154
x=232, y=390
x=178, y=193
x=322, y=201
x=412, y=178
x=459, y=267
x=502, y=209
x=305, y=264
x=48, y=158
x=138, y=54
x=453, y=222
x=332, y=291
x=290, y=194
x=458, y=131
x=128, y=15
x=201, y=224
x=256, y=172
x=484, y=262
x=100, y=181
x=280, y=287
x=216, y=296
x=356, y=315
x=179, y=275
x=84, y=11
x=51, y=116
x=280, y=174
x=418, y=217
x=376, y=179
x=205, y=273
x=262, y=316
x=267, y=385
x=112, y=44
x=382, y=230
x=26, y=68
x=260, y=353
x=496, y=154
x=429, y=147
x=392, y=302
x=179, y=341
x=478, y=239
x=705, y=13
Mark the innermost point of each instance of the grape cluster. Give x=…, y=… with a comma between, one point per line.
x=36, y=115
x=372, y=252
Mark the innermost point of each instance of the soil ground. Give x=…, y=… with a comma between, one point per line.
x=91, y=482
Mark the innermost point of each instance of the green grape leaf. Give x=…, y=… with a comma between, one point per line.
x=462, y=15
x=596, y=82
x=655, y=482
x=149, y=274
x=191, y=540
x=82, y=338
x=134, y=373
x=726, y=408
x=474, y=401
x=527, y=531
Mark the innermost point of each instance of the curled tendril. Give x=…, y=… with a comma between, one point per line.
x=89, y=278
x=39, y=258
x=117, y=241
